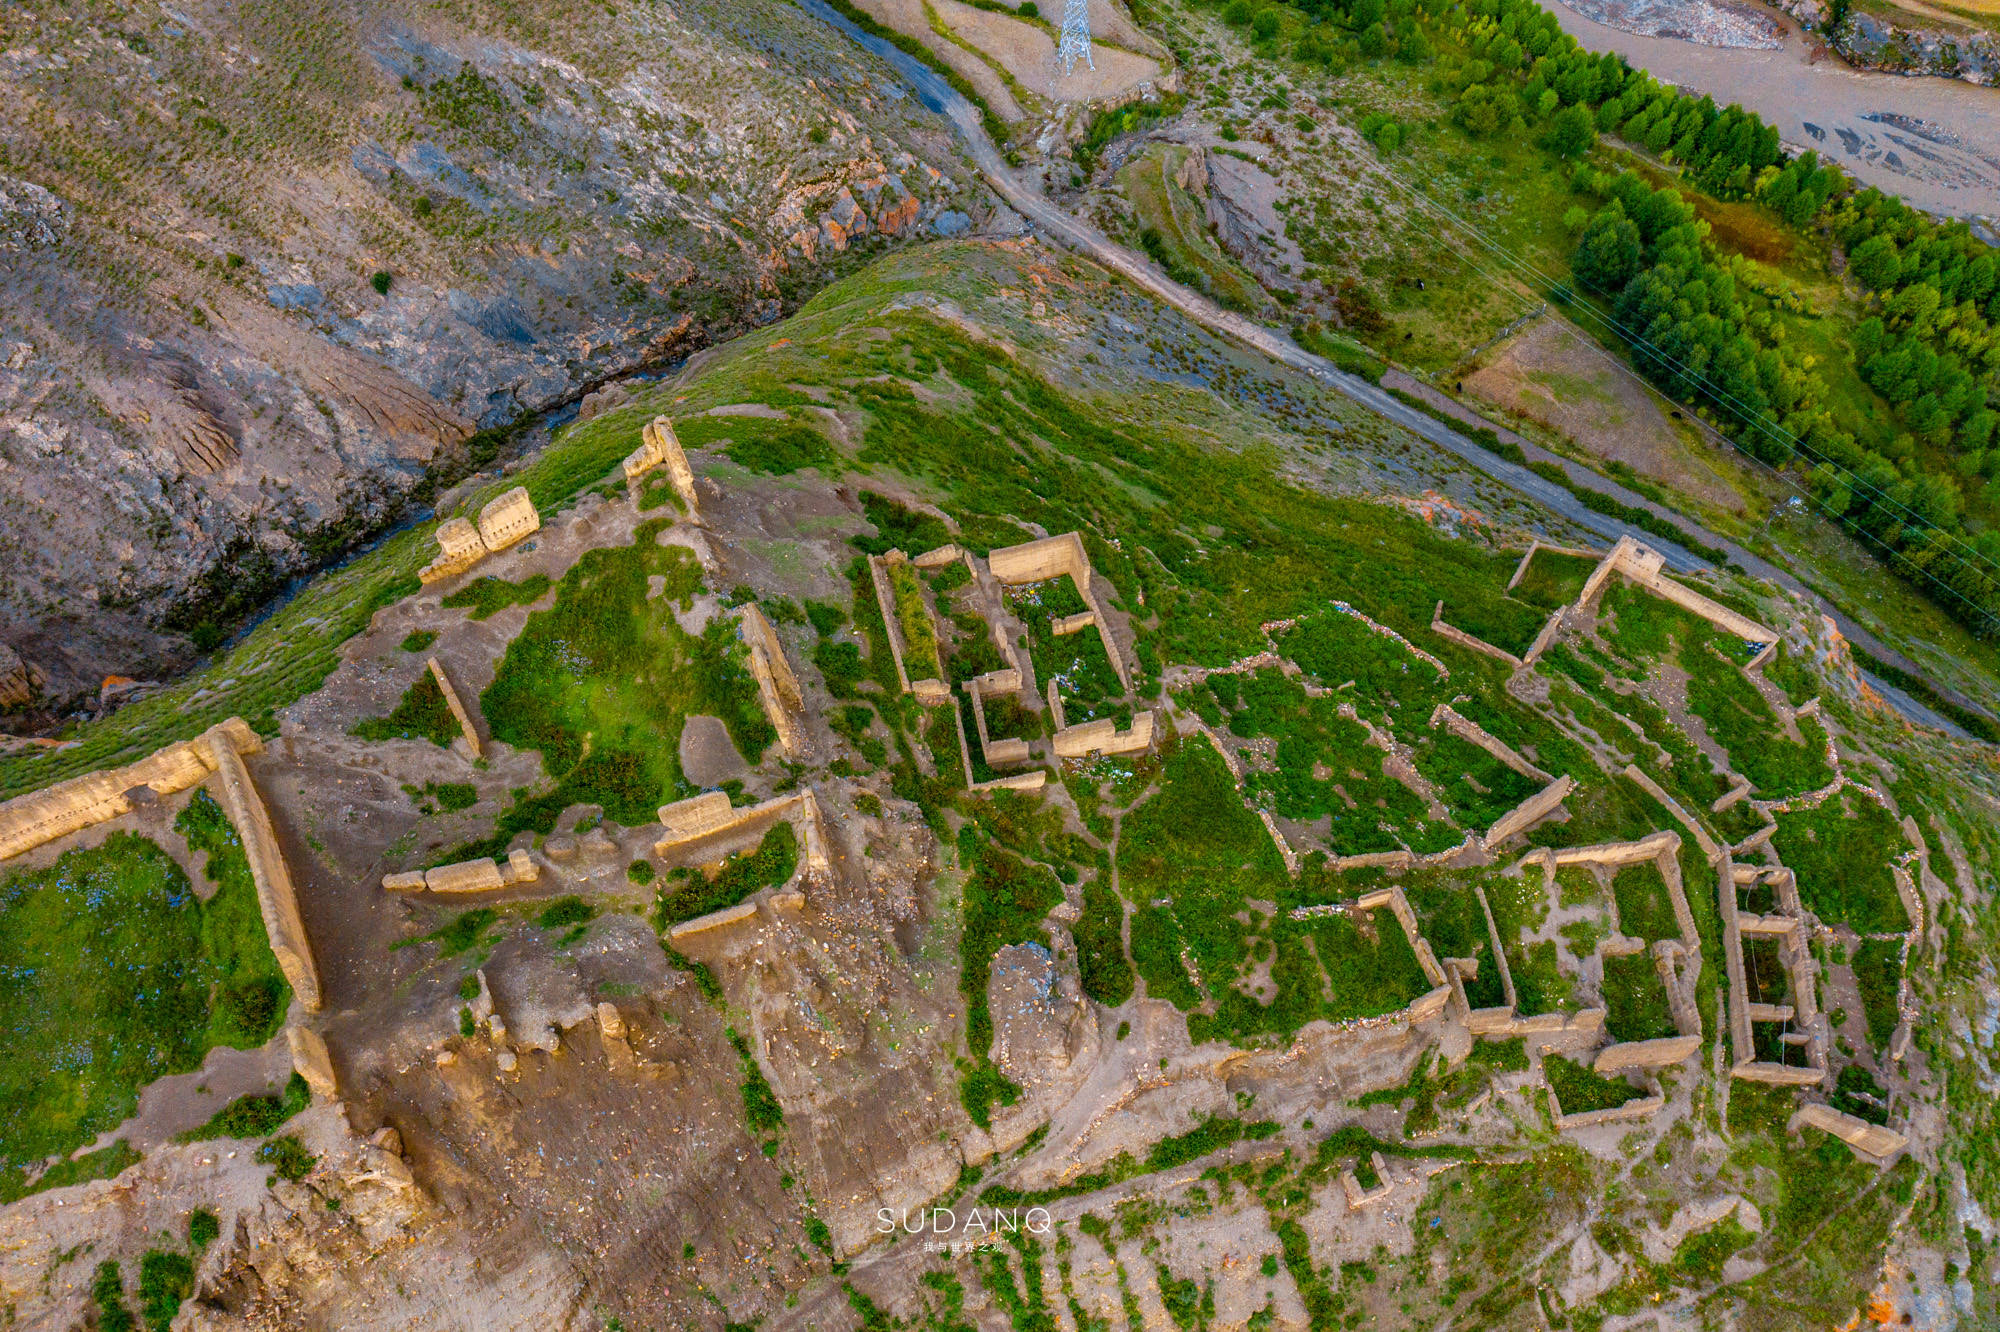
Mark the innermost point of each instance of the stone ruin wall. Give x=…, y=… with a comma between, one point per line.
x=30, y=820
x=931, y=692
x=68, y=807
x=1872, y=1140
x=1052, y=557
x=1645, y=566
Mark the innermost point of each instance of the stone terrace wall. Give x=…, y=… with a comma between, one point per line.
x=1868, y=1139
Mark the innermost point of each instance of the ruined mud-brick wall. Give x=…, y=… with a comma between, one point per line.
x=458, y=709
x=504, y=520
x=777, y=687
x=1052, y=557
x=42, y=816
x=659, y=445
x=277, y=898
x=1645, y=566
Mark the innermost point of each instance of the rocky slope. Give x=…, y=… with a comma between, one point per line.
x=267, y=267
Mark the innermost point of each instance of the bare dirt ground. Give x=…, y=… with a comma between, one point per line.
x=1028, y=53
x=1547, y=375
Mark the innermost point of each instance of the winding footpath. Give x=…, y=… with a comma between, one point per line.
x=1054, y=223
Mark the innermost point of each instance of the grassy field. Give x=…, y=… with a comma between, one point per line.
x=602, y=681
x=149, y=977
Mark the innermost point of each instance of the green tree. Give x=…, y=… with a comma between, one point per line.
x=1571, y=133
x=1607, y=256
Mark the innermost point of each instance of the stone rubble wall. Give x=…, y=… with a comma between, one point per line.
x=458, y=708
x=658, y=445
x=1535, y=807
x=1643, y=1108
x=777, y=687
x=1103, y=737
x=995, y=752
x=1032, y=780
x=508, y=518
x=1660, y=1053
x=929, y=692
x=1052, y=557
x=277, y=898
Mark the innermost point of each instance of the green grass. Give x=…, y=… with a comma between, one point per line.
x=104, y=1163
x=761, y=1110
x=761, y=444
x=1878, y=971
x=601, y=682
x=1100, y=947
x=287, y=1157
x=921, y=660
x=253, y=1115
x=1841, y=851
x=417, y=640
x=1578, y=1090
x=1171, y=226
x=1476, y=787
x=166, y=1279
x=687, y=893
x=488, y=596
x=422, y=714
x=1366, y=809
x=1076, y=663
x=113, y=973
x=1635, y=1000
x=1645, y=911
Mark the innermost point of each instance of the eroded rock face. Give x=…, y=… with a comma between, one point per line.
x=226, y=369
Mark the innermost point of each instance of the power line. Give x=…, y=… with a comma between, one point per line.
x=1742, y=410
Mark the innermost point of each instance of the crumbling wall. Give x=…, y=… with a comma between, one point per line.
x=459, y=548
x=277, y=899
x=1032, y=780
x=658, y=445
x=42, y=816
x=931, y=692
x=1644, y=565
x=1871, y=1140
x=1658, y=1053
x=1103, y=737
x=1473, y=733
x=1645, y=1107
x=481, y=875
x=1052, y=557
x=508, y=518
x=995, y=752
x=777, y=687
x=1535, y=807
x=458, y=709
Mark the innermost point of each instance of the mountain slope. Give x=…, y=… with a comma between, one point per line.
x=268, y=265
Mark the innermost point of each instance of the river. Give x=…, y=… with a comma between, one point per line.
x=1935, y=142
